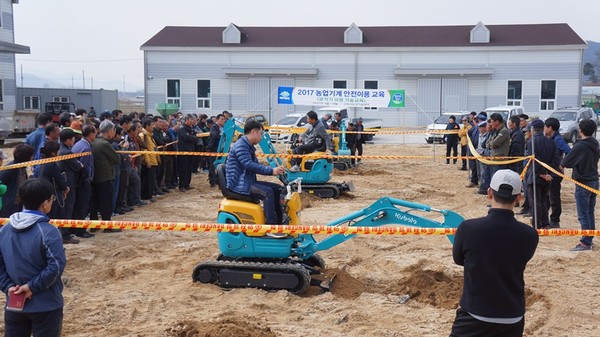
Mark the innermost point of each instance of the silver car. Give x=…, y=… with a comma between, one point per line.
x=569, y=119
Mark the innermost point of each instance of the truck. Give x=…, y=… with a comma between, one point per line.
x=24, y=121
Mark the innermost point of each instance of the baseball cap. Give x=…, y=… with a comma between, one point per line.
x=76, y=126
x=538, y=124
x=482, y=124
x=2, y=155
x=506, y=183
x=359, y=119
x=527, y=127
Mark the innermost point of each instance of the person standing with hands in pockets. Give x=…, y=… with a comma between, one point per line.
x=32, y=260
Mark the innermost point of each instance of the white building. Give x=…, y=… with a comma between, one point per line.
x=8, y=82
x=442, y=68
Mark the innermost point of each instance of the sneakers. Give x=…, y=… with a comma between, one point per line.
x=554, y=225
x=295, y=168
x=85, y=235
x=581, y=247
x=471, y=185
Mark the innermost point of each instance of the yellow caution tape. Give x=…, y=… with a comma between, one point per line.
x=369, y=131
x=490, y=160
x=560, y=174
x=44, y=161
x=282, y=229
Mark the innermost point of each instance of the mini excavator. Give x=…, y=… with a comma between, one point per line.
x=291, y=262
x=315, y=171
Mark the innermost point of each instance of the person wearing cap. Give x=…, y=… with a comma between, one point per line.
x=474, y=164
x=484, y=170
x=583, y=158
x=544, y=150
x=325, y=119
x=494, y=251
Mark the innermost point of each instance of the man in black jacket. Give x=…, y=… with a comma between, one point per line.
x=451, y=139
x=545, y=151
x=494, y=251
x=583, y=158
x=186, y=141
x=517, y=143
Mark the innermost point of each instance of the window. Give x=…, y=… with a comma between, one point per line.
x=62, y=99
x=548, y=96
x=371, y=85
x=514, y=94
x=31, y=102
x=340, y=84
x=173, y=92
x=203, y=94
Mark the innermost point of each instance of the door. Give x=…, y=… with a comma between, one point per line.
x=440, y=95
x=262, y=97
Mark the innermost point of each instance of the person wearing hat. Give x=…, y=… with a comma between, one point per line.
x=474, y=164
x=545, y=151
x=494, y=251
x=483, y=169
x=325, y=120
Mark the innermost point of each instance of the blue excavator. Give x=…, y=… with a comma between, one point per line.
x=315, y=172
x=291, y=262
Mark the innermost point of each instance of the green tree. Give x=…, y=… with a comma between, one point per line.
x=589, y=69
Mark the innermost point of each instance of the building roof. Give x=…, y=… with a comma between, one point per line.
x=390, y=36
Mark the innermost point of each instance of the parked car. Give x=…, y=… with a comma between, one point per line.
x=506, y=111
x=440, y=123
x=242, y=119
x=295, y=120
x=569, y=119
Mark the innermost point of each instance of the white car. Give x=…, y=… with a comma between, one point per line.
x=439, y=124
x=295, y=120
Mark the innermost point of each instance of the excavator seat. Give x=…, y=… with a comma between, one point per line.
x=227, y=193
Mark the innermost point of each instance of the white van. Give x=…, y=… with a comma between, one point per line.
x=506, y=111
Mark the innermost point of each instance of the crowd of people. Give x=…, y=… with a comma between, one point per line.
x=497, y=139
x=107, y=182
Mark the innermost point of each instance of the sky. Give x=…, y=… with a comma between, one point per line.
x=96, y=44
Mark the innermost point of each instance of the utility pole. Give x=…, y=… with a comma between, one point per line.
x=83, y=72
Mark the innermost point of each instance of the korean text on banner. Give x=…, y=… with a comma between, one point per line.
x=378, y=98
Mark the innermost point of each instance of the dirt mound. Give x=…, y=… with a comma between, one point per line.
x=222, y=328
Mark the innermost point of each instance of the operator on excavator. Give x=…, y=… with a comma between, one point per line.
x=315, y=138
x=242, y=167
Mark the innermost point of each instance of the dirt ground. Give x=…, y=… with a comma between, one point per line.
x=139, y=283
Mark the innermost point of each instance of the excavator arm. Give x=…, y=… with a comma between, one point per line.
x=385, y=211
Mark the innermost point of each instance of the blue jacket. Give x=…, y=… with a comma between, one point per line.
x=32, y=253
x=36, y=138
x=242, y=167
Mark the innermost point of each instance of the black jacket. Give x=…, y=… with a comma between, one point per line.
x=583, y=158
x=494, y=251
x=215, y=138
x=517, y=143
x=186, y=138
x=545, y=151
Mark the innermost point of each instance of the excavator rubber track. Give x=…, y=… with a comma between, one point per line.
x=292, y=277
x=329, y=190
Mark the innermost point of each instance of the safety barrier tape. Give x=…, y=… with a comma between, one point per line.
x=491, y=160
x=560, y=174
x=280, y=229
x=302, y=130
x=44, y=161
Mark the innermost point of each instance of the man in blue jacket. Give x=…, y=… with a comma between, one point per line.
x=242, y=167
x=32, y=260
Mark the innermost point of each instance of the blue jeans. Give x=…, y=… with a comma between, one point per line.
x=486, y=177
x=585, y=201
x=269, y=193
